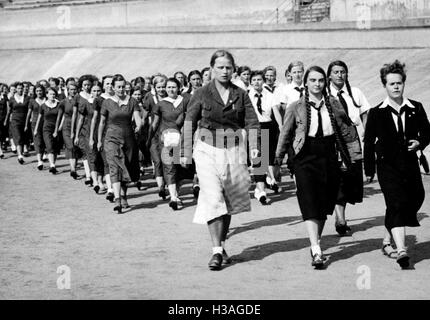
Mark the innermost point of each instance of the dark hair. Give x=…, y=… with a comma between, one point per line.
x=39, y=86
x=139, y=80
x=52, y=89
x=295, y=64
x=68, y=80
x=395, y=67
x=204, y=70
x=136, y=88
x=86, y=77
x=222, y=53
x=269, y=68
x=339, y=140
x=242, y=69
x=256, y=73
x=61, y=78
x=175, y=81
x=117, y=77
x=55, y=80
x=19, y=84
x=342, y=64
x=192, y=73
x=105, y=77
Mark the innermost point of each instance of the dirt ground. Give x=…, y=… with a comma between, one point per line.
x=151, y=252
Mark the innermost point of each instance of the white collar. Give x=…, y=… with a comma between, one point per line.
x=19, y=99
x=294, y=85
x=105, y=95
x=86, y=96
x=253, y=92
x=176, y=102
x=40, y=101
x=50, y=104
x=120, y=102
x=406, y=102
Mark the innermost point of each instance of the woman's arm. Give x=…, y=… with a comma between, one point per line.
x=369, y=145
x=78, y=127
x=28, y=118
x=8, y=107
x=277, y=115
x=93, y=128
x=36, y=128
x=57, y=123
x=72, y=126
x=137, y=121
x=100, y=132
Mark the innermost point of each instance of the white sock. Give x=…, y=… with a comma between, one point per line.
x=316, y=250
x=216, y=250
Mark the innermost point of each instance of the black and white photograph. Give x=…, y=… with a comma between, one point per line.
x=214, y=150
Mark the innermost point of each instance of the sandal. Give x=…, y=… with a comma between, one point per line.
x=388, y=250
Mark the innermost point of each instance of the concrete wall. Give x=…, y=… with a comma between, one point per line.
x=143, y=13
x=371, y=10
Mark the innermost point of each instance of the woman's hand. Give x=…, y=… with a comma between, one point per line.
x=72, y=136
x=25, y=129
x=76, y=142
x=184, y=161
x=413, y=145
x=91, y=143
x=369, y=179
x=99, y=146
x=55, y=134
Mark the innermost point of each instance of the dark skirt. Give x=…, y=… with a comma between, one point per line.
x=173, y=172
x=317, y=177
x=17, y=128
x=52, y=144
x=351, y=185
x=71, y=151
x=155, y=151
x=39, y=144
x=123, y=159
x=403, y=190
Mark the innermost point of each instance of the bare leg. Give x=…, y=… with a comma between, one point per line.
x=87, y=170
x=399, y=235
x=340, y=213
x=51, y=159
x=72, y=165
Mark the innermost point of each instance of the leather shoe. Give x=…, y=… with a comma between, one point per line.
x=317, y=261
x=403, y=259
x=225, y=258
x=215, y=262
x=110, y=196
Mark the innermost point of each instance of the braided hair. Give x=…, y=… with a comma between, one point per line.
x=342, y=64
x=340, y=144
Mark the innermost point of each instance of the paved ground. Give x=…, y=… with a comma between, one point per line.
x=152, y=252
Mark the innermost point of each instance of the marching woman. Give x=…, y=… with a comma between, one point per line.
x=316, y=128
x=396, y=129
x=72, y=152
x=149, y=102
x=169, y=116
x=18, y=108
x=32, y=116
x=206, y=75
x=181, y=77
x=94, y=138
x=90, y=153
x=81, y=100
x=356, y=107
x=194, y=82
x=120, y=144
x=221, y=111
x=4, y=106
x=243, y=81
x=51, y=112
x=265, y=107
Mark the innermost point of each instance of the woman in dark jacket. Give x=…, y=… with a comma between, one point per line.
x=315, y=131
x=395, y=130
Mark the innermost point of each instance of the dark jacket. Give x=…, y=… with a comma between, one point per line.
x=207, y=109
x=381, y=135
x=295, y=129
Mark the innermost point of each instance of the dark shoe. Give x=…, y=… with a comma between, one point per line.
x=215, y=262
x=96, y=189
x=196, y=191
x=53, y=170
x=343, y=229
x=21, y=160
x=263, y=200
x=118, y=206
x=139, y=185
x=1, y=156
x=275, y=188
x=388, y=250
x=403, y=259
x=124, y=203
x=40, y=167
x=225, y=258
x=162, y=193
x=89, y=182
x=26, y=154
x=174, y=205
x=110, y=196
x=317, y=261
x=74, y=175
